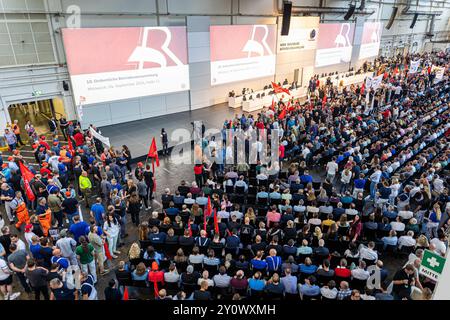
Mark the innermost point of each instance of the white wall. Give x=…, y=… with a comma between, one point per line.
x=113, y=13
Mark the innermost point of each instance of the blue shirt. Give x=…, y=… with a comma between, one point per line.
x=305, y=179
x=360, y=183
x=258, y=264
x=63, y=262
x=273, y=263
x=307, y=269
x=98, y=210
x=172, y=211
x=35, y=250
x=308, y=290
x=78, y=229
x=256, y=284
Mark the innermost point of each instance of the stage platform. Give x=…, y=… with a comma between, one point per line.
x=137, y=135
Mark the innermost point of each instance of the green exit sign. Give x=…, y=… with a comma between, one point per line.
x=36, y=93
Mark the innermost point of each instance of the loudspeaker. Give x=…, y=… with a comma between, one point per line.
x=392, y=18
x=65, y=86
x=350, y=12
x=413, y=23
x=287, y=9
x=363, y=5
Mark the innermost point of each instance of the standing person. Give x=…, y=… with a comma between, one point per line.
x=7, y=195
x=6, y=277
x=67, y=246
x=111, y=228
x=53, y=125
x=98, y=244
x=17, y=261
x=63, y=124
x=55, y=201
x=37, y=277
x=134, y=208
x=142, y=191
x=165, y=141
x=16, y=130
x=19, y=207
x=332, y=169
x=127, y=155
x=11, y=139
x=85, y=254
x=148, y=178
x=85, y=187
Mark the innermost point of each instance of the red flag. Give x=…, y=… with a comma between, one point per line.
x=27, y=176
x=216, y=223
x=189, y=228
x=153, y=152
x=272, y=107
x=207, y=213
x=282, y=114
x=276, y=88
x=125, y=294
x=70, y=145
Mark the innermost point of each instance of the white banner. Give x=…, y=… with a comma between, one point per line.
x=104, y=140
x=439, y=72
x=376, y=82
x=414, y=66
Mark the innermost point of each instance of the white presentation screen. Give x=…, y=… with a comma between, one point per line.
x=241, y=52
x=335, y=43
x=107, y=64
x=370, y=43
x=303, y=34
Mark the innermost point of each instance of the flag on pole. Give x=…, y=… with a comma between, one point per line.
x=272, y=107
x=125, y=294
x=70, y=145
x=282, y=114
x=153, y=152
x=279, y=89
x=27, y=176
x=207, y=213
x=216, y=223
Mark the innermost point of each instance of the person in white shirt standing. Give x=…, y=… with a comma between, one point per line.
x=332, y=168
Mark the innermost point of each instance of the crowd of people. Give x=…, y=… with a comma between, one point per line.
x=361, y=183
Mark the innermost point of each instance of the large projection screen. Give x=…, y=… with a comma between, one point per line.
x=241, y=52
x=370, y=43
x=303, y=34
x=107, y=64
x=335, y=43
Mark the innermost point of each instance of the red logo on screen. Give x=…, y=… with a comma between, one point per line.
x=255, y=46
x=142, y=53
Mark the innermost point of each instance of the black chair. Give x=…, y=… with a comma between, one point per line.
x=124, y=279
x=197, y=266
x=181, y=266
x=189, y=288
x=164, y=264
x=323, y=280
x=229, y=189
x=148, y=262
x=358, y=284
x=135, y=262
x=144, y=244
x=171, y=287
x=211, y=269
x=369, y=262
x=309, y=298
x=256, y=294
x=140, y=283
x=240, y=190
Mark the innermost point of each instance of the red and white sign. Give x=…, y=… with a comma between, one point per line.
x=335, y=43
x=107, y=64
x=370, y=43
x=240, y=52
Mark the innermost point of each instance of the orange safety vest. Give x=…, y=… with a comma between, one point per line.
x=45, y=220
x=22, y=215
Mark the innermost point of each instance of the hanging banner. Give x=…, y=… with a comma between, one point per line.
x=104, y=140
x=414, y=66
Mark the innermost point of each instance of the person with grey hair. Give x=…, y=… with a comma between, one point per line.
x=407, y=240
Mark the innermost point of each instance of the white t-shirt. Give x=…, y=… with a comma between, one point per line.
x=332, y=167
x=440, y=246
x=4, y=270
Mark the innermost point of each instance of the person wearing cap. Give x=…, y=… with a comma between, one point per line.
x=12, y=165
x=6, y=172
x=69, y=206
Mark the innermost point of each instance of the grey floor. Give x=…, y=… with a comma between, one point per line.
x=137, y=135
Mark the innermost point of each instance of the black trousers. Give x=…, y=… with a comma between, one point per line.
x=37, y=293
x=145, y=200
x=150, y=191
x=23, y=281
x=135, y=217
x=19, y=140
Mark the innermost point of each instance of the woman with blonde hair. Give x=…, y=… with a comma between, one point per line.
x=251, y=215
x=422, y=242
x=134, y=252
x=140, y=273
